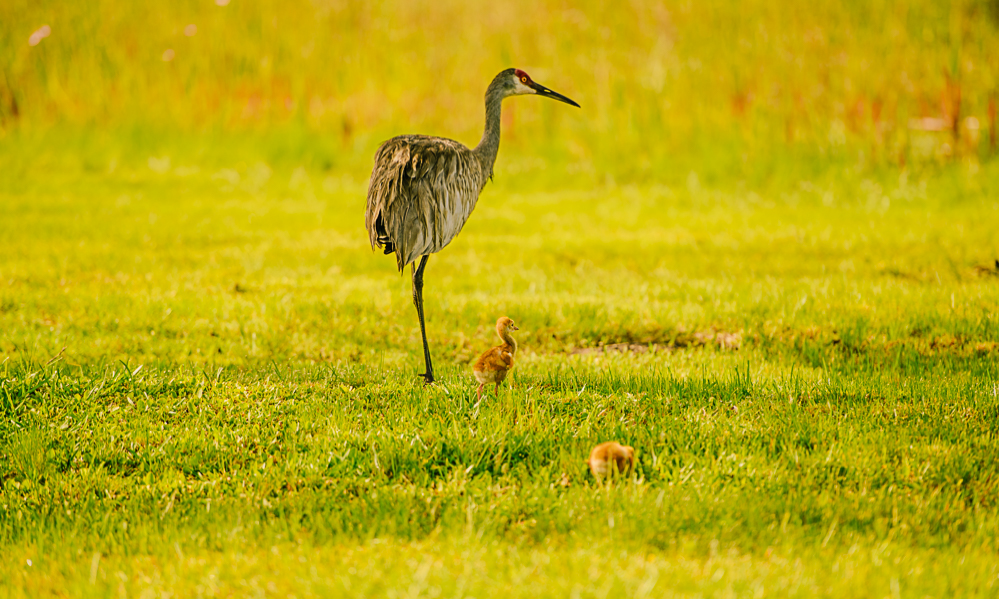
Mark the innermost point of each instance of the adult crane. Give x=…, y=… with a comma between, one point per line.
x=423, y=188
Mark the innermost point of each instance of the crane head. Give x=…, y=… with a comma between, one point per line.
x=505, y=323
x=523, y=84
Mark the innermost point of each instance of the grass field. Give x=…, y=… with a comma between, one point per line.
x=208, y=387
x=738, y=258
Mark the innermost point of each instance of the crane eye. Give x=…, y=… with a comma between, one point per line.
x=523, y=79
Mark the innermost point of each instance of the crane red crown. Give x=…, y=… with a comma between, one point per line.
x=521, y=74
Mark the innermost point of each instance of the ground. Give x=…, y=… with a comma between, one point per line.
x=208, y=387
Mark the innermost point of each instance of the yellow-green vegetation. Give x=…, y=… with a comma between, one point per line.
x=784, y=298
x=712, y=86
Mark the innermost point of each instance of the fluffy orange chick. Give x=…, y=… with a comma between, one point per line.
x=610, y=458
x=492, y=366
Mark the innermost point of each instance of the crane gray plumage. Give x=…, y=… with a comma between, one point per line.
x=423, y=189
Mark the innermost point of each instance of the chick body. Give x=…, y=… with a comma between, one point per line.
x=610, y=458
x=494, y=364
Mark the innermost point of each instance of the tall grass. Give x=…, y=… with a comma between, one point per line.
x=711, y=85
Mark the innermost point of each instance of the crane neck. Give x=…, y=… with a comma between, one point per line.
x=489, y=146
x=508, y=340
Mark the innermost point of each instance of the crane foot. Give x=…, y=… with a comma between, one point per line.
x=428, y=377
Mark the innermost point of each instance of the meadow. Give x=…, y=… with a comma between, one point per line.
x=755, y=262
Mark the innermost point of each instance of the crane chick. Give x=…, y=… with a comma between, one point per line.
x=492, y=365
x=609, y=459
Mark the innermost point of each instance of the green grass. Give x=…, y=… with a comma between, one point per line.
x=739, y=257
x=208, y=386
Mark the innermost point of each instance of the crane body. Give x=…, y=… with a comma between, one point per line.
x=423, y=189
x=428, y=187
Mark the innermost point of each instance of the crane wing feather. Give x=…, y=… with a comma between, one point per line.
x=421, y=192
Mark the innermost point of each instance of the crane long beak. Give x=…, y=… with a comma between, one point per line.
x=544, y=91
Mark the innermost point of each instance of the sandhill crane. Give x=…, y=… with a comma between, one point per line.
x=423, y=189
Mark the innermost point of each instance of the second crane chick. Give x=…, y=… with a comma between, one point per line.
x=492, y=366
x=611, y=459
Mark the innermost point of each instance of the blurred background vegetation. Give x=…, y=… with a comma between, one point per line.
x=739, y=91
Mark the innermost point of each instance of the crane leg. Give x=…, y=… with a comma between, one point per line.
x=428, y=376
